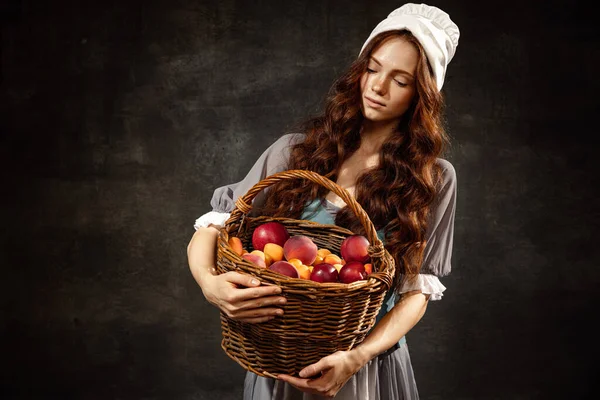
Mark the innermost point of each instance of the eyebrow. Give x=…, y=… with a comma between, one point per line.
x=395, y=70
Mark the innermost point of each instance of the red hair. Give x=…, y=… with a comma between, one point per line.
x=398, y=192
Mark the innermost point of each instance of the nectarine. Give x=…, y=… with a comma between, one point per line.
x=300, y=247
x=270, y=232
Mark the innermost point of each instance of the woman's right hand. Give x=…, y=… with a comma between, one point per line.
x=241, y=297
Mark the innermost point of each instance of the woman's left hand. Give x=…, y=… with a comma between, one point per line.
x=327, y=376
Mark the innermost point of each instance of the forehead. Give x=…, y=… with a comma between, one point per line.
x=397, y=53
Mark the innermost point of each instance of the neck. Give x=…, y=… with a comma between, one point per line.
x=374, y=134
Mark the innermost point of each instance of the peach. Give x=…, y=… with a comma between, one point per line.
x=300, y=247
x=270, y=232
x=274, y=251
x=332, y=259
x=284, y=268
x=236, y=245
x=355, y=248
x=255, y=259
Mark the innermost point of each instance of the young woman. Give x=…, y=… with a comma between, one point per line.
x=381, y=138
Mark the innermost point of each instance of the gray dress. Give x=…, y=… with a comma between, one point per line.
x=389, y=376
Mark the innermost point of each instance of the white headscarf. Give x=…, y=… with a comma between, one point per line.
x=432, y=27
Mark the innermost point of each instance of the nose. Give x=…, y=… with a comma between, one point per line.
x=378, y=85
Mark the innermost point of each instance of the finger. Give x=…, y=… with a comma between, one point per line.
x=262, y=302
x=257, y=313
x=242, y=295
x=301, y=384
x=241, y=279
x=316, y=368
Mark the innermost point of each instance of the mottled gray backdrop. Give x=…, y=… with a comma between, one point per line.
x=119, y=118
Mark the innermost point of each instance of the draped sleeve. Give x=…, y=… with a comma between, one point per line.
x=440, y=232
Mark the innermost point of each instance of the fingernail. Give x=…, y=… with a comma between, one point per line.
x=254, y=282
x=282, y=301
x=279, y=312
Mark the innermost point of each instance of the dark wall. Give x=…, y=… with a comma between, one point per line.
x=119, y=119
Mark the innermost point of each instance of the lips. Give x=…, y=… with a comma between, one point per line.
x=374, y=103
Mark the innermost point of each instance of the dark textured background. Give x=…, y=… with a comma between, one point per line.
x=119, y=118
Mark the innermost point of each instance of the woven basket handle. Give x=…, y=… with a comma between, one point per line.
x=243, y=204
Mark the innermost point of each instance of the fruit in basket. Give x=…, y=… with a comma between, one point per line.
x=324, y=273
x=269, y=232
x=284, y=268
x=274, y=251
x=332, y=259
x=303, y=271
x=266, y=258
x=300, y=247
x=318, y=260
x=255, y=259
x=236, y=245
x=323, y=252
x=338, y=267
x=352, y=272
x=369, y=268
x=355, y=248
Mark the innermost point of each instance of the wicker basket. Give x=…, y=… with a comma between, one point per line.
x=319, y=318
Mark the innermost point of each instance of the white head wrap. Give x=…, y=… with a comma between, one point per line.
x=432, y=27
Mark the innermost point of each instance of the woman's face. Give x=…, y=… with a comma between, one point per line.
x=388, y=85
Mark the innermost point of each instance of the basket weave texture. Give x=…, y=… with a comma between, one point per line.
x=319, y=318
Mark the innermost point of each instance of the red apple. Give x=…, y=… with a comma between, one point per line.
x=255, y=258
x=284, y=268
x=324, y=273
x=355, y=248
x=352, y=272
x=302, y=248
x=270, y=232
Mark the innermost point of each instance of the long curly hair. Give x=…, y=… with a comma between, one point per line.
x=398, y=192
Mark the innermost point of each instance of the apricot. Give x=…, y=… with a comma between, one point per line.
x=303, y=271
x=369, y=268
x=318, y=260
x=332, y=259
x=323, y=252
x=274, y=251
x=236, y=245
x=338, y=267
x=295, y=262
x=300, y=247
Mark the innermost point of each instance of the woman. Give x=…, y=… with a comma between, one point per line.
x=380, y=138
